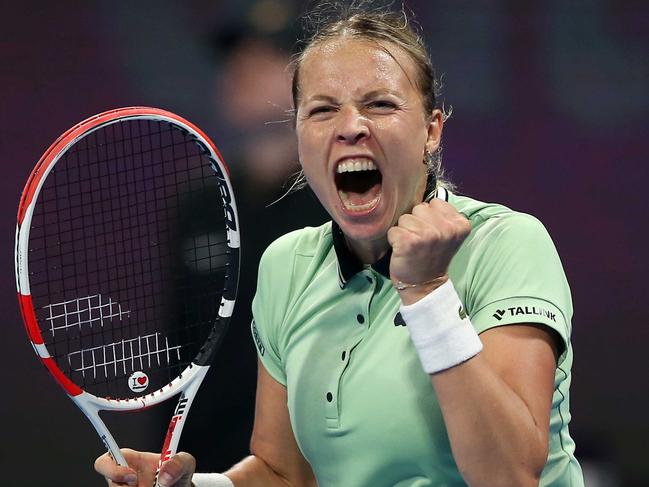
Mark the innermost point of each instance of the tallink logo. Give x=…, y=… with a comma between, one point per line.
x=524, y=310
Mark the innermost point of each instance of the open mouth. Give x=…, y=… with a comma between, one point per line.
x=359, y=184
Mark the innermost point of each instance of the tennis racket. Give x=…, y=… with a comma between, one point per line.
x=127, y=258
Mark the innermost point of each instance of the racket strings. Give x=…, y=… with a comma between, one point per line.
x=128, y=209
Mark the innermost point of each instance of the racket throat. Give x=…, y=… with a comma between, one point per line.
x=92, y=413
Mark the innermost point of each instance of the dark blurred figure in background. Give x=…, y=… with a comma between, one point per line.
x=251, y=98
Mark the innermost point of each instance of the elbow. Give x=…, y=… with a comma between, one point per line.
x=531, y=471
x=504, y=478
x=517, y=472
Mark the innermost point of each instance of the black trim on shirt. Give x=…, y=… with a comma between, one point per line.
x=348, y=263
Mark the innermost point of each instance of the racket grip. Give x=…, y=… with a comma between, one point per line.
x=157, y=473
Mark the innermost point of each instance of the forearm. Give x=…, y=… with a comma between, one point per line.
x=492, y=432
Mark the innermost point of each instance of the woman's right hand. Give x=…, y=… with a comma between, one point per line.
x=175, y=472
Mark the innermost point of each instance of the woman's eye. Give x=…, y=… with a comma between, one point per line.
x=320, y=110
x=382, y=105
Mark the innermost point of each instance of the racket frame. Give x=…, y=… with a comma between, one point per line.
x=189, y=380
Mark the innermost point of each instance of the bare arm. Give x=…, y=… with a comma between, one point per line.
x=276, y=459
x=497, y=406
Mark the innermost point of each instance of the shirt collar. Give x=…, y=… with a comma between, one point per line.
x=349, y=265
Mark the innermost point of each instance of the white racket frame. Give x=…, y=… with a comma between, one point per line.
x=188, y=382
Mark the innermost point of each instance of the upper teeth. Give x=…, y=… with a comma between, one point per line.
x=352, y=165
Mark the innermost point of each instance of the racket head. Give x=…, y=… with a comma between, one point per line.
x=127, y=255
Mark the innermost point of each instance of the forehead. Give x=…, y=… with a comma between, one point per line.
x=353, y=66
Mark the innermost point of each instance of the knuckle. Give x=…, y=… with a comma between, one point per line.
x=405, y=243
x=432, y=234
x=102, y=462
x=420, y=209
x=393, y=234
x=188, y=460
x=403, y=219
x=464, y=227
x=439, y=230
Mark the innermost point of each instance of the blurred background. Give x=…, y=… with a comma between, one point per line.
x=550, y=116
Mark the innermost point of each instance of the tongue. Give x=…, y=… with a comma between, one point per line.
x=361, y=198
x=359, y=190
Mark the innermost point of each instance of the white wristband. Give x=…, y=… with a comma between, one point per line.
x=440, y=329
x=211, y=480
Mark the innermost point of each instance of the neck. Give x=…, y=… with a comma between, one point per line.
x=368, y=252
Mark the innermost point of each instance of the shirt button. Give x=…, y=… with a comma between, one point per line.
x=344, y=355
x=330, y=396
x=360, y=318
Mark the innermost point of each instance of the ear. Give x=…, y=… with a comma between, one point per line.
x=435, y=127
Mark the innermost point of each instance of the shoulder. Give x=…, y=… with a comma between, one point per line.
x=307, y=241
x=286, y=269
x=508, y=269
x=496, y=224
x=292, y=257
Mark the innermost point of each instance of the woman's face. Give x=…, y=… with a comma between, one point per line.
x=362, y=133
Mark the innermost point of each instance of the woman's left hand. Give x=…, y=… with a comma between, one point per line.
x=423, y=243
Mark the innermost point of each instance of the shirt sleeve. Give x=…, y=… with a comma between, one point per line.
x=517, y=277
x=267, y=311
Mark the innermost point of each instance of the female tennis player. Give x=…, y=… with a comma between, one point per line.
x=420, y=338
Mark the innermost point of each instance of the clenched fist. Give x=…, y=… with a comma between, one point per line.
x=423, y=243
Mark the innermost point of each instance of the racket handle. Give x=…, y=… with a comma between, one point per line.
x=172, y=438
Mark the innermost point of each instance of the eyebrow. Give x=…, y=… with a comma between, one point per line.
x=364, y=98
x=380, y=92
x=327, y=98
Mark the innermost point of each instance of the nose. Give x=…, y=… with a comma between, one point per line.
x=351, y=127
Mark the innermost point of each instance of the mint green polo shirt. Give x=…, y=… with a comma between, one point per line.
x=363, y=411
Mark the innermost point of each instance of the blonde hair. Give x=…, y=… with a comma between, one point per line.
x=364, y=20
x=380, y=23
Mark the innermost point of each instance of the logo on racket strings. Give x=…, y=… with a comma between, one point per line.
x=138, y=381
